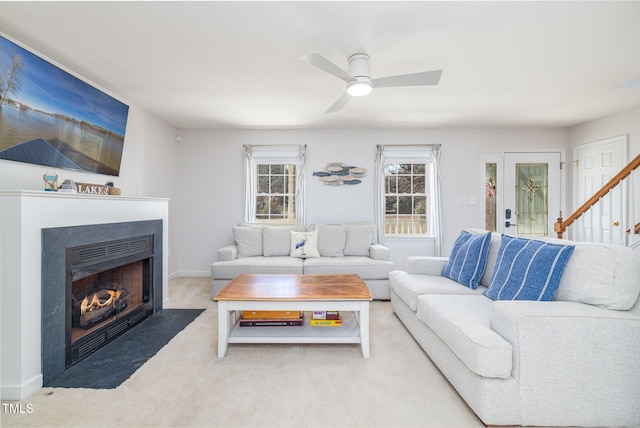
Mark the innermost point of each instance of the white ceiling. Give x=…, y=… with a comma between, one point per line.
x=236, y=64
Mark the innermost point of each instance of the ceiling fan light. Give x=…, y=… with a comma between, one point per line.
x=359, y=89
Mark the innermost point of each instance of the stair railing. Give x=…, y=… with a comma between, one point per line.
x=561, y=225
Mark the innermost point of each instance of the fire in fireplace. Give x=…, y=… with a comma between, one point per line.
x=97, y=306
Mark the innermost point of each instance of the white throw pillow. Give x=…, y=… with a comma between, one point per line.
x=276, y=240
x=304, y=244
x=331, y=239
x=248, y=240
x=359, y=239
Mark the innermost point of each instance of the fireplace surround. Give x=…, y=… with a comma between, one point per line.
x=23, y=215
x=72, y=254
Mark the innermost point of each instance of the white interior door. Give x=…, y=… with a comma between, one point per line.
x=596, y=164
x=531, y=194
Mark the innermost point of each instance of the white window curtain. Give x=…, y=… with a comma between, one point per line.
x=301, y=185
x=379, y=202
x=261, y=154
x=436, y=212
x=249, y=185
x=409, y=153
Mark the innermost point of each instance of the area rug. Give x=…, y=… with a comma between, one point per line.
x=114, y=363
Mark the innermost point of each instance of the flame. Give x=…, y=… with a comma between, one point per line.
x=85, y=306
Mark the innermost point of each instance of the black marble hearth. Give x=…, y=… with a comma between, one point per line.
x=114, y=363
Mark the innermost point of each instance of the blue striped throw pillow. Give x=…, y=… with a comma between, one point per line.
x=527, y=269
x=468, y=258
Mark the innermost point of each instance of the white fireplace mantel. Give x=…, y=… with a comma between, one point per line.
x=23, y=215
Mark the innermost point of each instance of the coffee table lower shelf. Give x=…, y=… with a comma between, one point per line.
x=348, y=332
x=354, y=328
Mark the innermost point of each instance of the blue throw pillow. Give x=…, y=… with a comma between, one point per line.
x=468, y=258
x=527, y=269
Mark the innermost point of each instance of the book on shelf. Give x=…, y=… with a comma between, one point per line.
x=260, y=315
x=325, y=323
x=270, y=322
x=325, y=315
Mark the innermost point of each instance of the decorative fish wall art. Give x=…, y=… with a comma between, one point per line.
x=337, y=174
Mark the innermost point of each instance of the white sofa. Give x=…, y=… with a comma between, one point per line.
x=573, y=361
x=347, y=248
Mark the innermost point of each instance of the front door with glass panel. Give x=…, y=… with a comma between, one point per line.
x=531, y=194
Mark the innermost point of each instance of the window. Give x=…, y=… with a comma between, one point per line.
x=490, y=196
x=406, y=198
x=275, y=198
x=274, y=184
x=408, y=193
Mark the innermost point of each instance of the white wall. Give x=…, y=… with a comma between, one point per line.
x=210, y=196
x=148, y=166
x=202, y=175
x=626, y=122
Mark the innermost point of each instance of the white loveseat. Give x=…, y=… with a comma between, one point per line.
x=347, y=248
x=571, y=361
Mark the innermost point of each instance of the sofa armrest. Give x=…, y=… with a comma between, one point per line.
x=228, y=253
x=564, y=351
x=513, y=318
x=426, y=265
x=379, y=252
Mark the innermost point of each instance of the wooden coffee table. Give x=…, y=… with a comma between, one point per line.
x=298, y=293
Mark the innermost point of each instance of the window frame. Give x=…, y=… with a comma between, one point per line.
x=412, y=219
x=287, y=194
x=287, y=154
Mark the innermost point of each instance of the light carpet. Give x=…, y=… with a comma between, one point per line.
x=186, y=385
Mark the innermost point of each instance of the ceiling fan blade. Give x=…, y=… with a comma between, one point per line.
x=342, y=101
x=324, y=64
x=415, y=79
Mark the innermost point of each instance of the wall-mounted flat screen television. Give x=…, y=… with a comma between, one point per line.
x=49, y=117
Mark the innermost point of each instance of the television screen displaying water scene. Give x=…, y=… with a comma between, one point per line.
x=49, y=117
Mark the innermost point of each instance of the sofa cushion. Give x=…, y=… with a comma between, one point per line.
x=331, y=239
x=464, y=324
x=468, y=258
x=304, y=244
x=528, y=269
x=259, y=264
x=492, y=256
x=276, y=240
x=359, y=240
x=365, y=267
x=249, y=240
x=604, y=275
x=408, y=287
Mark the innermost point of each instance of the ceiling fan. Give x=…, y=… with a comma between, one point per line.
x=358, y=78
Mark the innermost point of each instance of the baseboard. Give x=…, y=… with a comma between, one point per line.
x=23, y=391
x=181, y=274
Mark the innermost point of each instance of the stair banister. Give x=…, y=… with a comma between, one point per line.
x=561, y=225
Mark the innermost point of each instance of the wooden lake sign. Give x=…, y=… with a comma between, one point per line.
x=93, y=189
